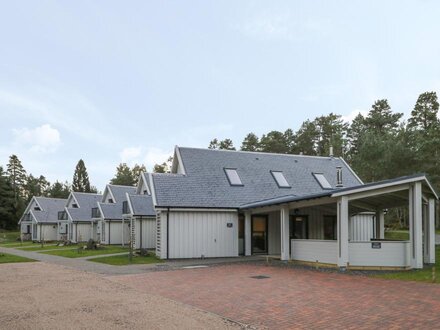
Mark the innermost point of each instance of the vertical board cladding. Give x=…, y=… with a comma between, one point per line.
x=390, y=254
x=274, y=233
x=362, y=227
x=83, y=230
x=195, y=234
x=145, y=233
x=116, y=232
x=315, y=250
x=48, y=232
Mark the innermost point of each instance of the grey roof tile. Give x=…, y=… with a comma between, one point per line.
x=142, y=205
x=86, y=201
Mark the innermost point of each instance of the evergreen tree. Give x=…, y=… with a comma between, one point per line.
x=381, y=119
x=8, y=219
x=124, y=176
x=306, y=139
x=17, y=177
x=81, y=181
x=331, y=132
x=424, y=114
x=226, y=144
x=214, y=144
x=36, y=187
x=59, y=190
x=250, y=143
x=354, y=133
x=138, y=169
x=275, y=142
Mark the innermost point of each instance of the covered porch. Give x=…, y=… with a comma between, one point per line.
x=345, y=227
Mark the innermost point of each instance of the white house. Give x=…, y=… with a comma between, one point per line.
x=218, y=203
x=79, y=224
x=111, y=227
x=40, y=219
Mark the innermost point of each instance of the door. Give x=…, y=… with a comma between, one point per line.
x=299, y=228
x=259, y=234
x=241, y=234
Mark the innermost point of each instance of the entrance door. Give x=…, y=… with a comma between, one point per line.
x=259, y=234
x=241, y=234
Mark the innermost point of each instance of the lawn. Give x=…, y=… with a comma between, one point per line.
x=123, y=260
x=422, y=275
x=9, y=236
x=37, y=247
x=397, y=234
x=80, y=253
x=10, y=258
x=16, y=244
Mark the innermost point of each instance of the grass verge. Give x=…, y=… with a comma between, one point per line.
x=123, y=260
x=421, y=275
x=37, y=247
x=397, y=234
x=6, y=258
x=80, y=253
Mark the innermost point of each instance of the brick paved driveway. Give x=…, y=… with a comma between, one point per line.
x=295, y=298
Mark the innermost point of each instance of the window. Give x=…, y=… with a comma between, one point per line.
x=330, y=225
x=234, y=179
x=322, y=180
x=37, y=208
x=95, y=212
x=62, y=215
x=125, y=209
x=75, y=206
x=28, y=229
x=299, y=227
x=110, y=201
x=280, y=179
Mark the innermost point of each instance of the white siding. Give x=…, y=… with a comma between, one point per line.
x=82, y=232
x=161, y=238
x=391, y=254
x=362, y=227
x=114, y=232
x=194, y=234
x=46, y=232
x=315, y=250
x=23, y=230
x=145, y=233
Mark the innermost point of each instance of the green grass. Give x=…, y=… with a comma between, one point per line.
x=16, y=244
x=79, y=253
x=397, y=234
x=37, y=247
x=6, y=258
x=9, y=236
x=421, y=275
x=123, y=260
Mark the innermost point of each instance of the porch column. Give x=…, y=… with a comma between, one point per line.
x=247, y=234
x=122, y=231
x=342, y=232
x=285, y=242
x=431, y=231
x=380, y=224
x=415, y=225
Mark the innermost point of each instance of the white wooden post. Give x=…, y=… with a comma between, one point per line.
x=285, y=242
x=415, y=225
x=380, y=224
x=431, y=231
x=342, y=232
x=122, y=231
x=425, y=233
x=247, y=234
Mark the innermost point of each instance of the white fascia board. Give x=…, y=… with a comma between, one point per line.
x=385, y=185
x=179, y=159
x=181, y=209
x=153, y=191
x=351, y=170
x=127, y=196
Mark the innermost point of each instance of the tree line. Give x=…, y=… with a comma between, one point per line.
x=17, y=187
x=378, y=146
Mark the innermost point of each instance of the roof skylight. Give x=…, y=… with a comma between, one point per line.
x=280, y=179
x=232, y=175
x=322, y=180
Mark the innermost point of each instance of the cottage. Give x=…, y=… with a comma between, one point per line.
x=111, y=227
x=40, y=219
x=77, y=223
x=218, y=203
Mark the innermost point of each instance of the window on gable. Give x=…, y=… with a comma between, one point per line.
x=110, y=200
x=280, y=179
x=75, y=206
x=233, y=178
x=37, y=208
x=322, y=180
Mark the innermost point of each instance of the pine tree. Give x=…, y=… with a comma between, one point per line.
x=8, y=218
x=124, y=176
x=214, y=144
x=36, y=187
x=306, y=139
x=17, y=177
x=81, y=181
x=59, y=190
x=381, y=119
x=250, y=143
x=226, y=144
x=424, y=114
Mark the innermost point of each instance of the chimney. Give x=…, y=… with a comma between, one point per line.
x=339, y=177
x=331, y=151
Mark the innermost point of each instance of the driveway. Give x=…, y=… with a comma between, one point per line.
x=296, y=298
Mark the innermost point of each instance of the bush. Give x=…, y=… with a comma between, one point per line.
x=92, y=245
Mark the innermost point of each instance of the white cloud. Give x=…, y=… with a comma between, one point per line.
x=147, y=156
x=352, y=115
x=41, y=139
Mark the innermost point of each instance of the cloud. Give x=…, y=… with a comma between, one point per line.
x=147, y=156
x=41, y=139
x=352, y=115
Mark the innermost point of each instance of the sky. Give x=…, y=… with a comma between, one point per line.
x=126, y=81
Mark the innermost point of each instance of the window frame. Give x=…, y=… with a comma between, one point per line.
x=225, y=169
x=315, y=175
x=278, y=183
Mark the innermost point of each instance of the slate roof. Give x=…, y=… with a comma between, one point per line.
x=119, y=192
x=49, y=209
x=111, y=211
x=86, y=201
x=206, y=185
x=142, y=205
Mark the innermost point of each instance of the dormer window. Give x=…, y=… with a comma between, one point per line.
x=110, y=201
x=37, y=208
x=75, y=206
x=145, y=192
x=280, y=179
x=233, y=178
x=322, y=180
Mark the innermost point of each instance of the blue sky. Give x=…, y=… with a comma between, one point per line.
x=113, y=81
